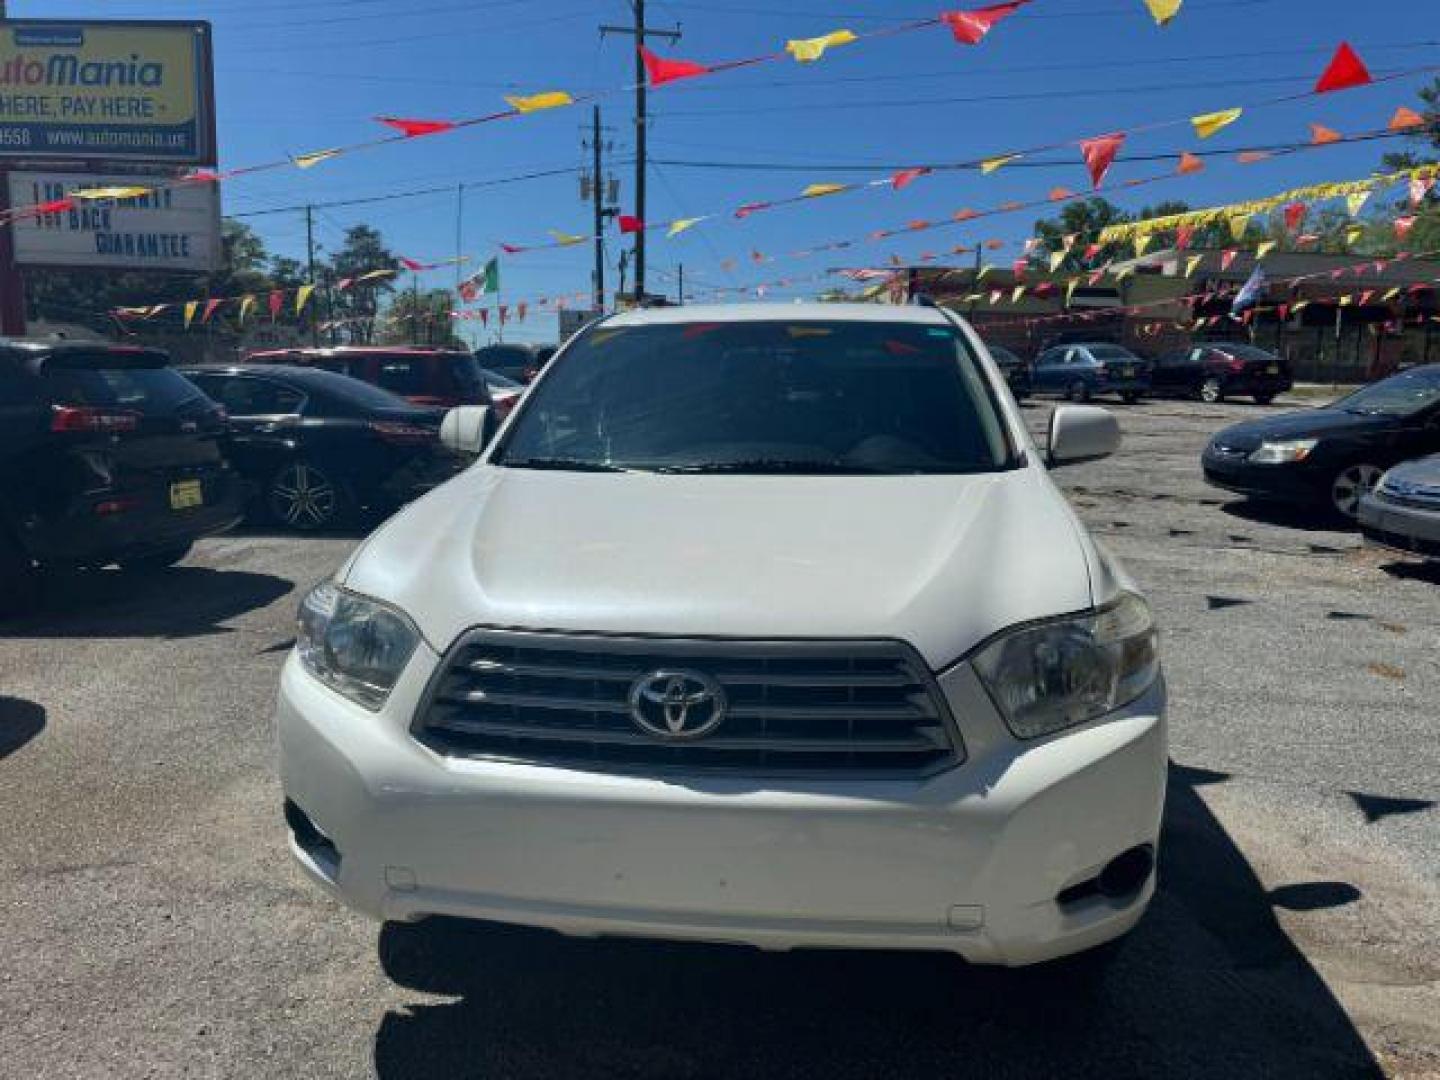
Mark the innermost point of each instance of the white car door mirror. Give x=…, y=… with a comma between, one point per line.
x=466, y=429
x=1081, y=433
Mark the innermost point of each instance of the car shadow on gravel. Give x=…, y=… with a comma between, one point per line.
x=1208, y=985
x=179, y=602
x=1288, y=516
x=20, y=721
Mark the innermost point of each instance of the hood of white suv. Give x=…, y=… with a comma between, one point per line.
x=938, y=560
x=941, y=562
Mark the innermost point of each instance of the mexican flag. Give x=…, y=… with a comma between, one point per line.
x=485, y=282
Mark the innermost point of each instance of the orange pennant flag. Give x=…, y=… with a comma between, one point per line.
x=1250, y=157
x=1320, y=135
x=1189, y=163
x=1059, y=194
x=1406, y=118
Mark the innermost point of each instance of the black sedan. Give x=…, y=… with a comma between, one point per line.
x=1212, y=372
x=319, y=446
x=1016, y=371
x=1332, y=456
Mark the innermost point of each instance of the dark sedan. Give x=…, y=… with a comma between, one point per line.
x=1016, y=371
x=318, y=447
x=1213, y=372
x=1331, y=456
x=1079, y=372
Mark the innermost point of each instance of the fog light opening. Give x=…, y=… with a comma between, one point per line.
x=319, y=847
x=1127, y=873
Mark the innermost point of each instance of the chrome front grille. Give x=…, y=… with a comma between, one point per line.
x=860, y=708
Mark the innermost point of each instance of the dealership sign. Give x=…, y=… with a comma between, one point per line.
x=169, y=228
x=107, y=91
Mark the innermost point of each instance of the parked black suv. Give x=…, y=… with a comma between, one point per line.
x=106, y=456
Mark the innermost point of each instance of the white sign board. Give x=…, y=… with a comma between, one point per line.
x=171, y=228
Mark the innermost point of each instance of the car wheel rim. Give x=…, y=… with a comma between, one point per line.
x=1210, y=391
x=303, y=497
x=1351, y=485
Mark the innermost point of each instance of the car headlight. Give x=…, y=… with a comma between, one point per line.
x=1049, y=676
x=354, y=645
x=1282, y=453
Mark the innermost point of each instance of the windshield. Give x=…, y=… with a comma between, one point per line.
x=1401, y=395
x=353, y=392
x=796, y=397
x=155, y=390
x=1111, y=352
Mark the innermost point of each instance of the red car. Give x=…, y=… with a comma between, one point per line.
x=441, y=378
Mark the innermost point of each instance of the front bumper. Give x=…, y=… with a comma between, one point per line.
x=1410, y=529
x=969, y=861
x=1281, y=483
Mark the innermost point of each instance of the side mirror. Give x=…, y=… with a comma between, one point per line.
x=466, y=429
x=1081, y=433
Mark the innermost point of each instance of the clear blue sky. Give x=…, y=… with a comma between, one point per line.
x=299, y=76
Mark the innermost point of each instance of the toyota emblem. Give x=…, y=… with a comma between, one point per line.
x=675, y=705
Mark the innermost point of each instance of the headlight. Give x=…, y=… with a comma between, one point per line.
x=1282, y=453
x=354, y=645
x=1053, y=675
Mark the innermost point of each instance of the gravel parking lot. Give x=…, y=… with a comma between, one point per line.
x=153, y=925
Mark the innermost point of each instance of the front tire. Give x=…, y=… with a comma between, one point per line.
x=1264, y=399
x=19, y=579
x=1351, y=484
x=303, y=496
x=1130, y=397
x=1211, y=392
x=1079, y=391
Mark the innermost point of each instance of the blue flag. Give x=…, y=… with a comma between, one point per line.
x=1249, y=292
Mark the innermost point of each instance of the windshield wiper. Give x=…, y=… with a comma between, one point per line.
x=777, y=466
x=559, y=464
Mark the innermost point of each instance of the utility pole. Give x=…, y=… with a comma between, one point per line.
x=12, y=282
x=310, y=257
x=597, y=195
x=640, y=32
x=680, y=285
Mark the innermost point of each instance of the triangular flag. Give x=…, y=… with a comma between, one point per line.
x=374, y=275
x=1193, y=263
x=1320, y=135
x=816, y=191
x=1189, y=163
x=679, y=225
x=1142, y=243
x=1183, y=235
x=1419, y=187
x=1070, y=290
x=970, y=27
x=1060, y=194
x=1238, y=224
x=1162, y=11
x=1092, y=250
x=1265, y=247
x=565, y=239
x=246, y=303
x=190, y=308
x=1294, y=215
x=528, y=103
x=964, y=215
x=629, y=223
x=414, y=128
x=989, y=165
x=1403, y=225
x=661, y=71
x=520, y=310
x=129, y=191
x=1017, y=293
x=1056, y=259
x=1099, y=152
x=315, y=157
x=808, y=50
x=751, y=208
x=1207, y=124
x=1031, y=243
x=1250, y=157
x=982, y=272
x=302, y=295
x=1227, y=258
x=210, y=306
x=905, y=177
x=277, y=301
x=1356, y=202
x=1406, y=118
x=1345, y=70
x=1391, y=294
x=1068, y=241
x=412, y=265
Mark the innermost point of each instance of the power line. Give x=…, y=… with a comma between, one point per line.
x=857, y=16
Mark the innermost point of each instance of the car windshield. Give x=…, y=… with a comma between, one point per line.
x=1111, y=352
x=145, y=389
x=360, y=395
x=1247, y=352
x=500, y=382
x=1401, y=395
x=762, y=397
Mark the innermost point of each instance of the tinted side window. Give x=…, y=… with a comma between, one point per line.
x=243, y=395
x=403, y=375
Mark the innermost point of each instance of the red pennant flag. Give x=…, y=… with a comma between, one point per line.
x=1250, y=157
x=964, y=215
x=511, y=249
x=1227, y=258
x=757, y=257
x=277, y=301
x=1306, y=238
x=1345, y=70
x=412, y=129
x=752, y=208
x=918, y=225
x=411, y=265
x=1403, y=225
x=905, y=177
x=1365, y=297
x=1099, y=152
x=662, y=71
x=1093, y=250
x=1282, y=311
x=970, y=27
x=1018, y=268
x=201, y=176
x=1294, y=215
x=520, y=310
x=484, y=317
x=344, y=283
x=54, y=206
x=210, y=306
x=1183, y=236
x=502, y=311
x=1096, y=276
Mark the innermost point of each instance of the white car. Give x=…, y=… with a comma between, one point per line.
x=759, y=624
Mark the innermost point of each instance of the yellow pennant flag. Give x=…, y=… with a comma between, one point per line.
x=1055, y=260
x=1264, y=248
x=552, y=99
x=246, y=303
x=1192, y=264
x=1356, y=202
x=1390, y=294
x=372, y=275
x=808, y=50
x=1017, y=294
x=1162, y=11
x=1353, y=235
x=679, y=225
x=302, y=295
x=815, y=191
x=1347, y=299
x=191, y=306
x=1124, y=272
x=1208, y=124
x=989, y=165
x=114, y=192
x=1070, y=290
x=309, y=161
x=1238, y=224
x=1298, y=306
x=1142, y=243
x=984, y=270
x=567, y=239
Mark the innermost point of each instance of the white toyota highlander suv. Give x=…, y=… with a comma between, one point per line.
x=759, y=624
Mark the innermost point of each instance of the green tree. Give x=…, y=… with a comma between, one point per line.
x=358, y=305
x=420, y=318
